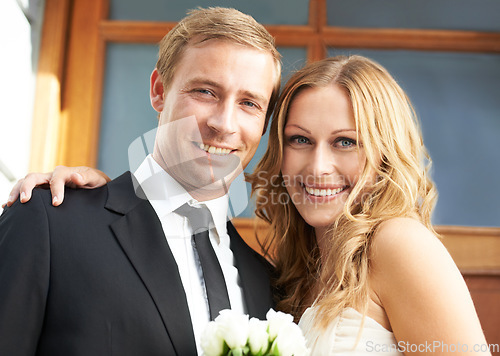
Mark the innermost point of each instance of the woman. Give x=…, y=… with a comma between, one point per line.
x=344, y=186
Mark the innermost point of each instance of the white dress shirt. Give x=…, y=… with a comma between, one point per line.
x=166, y=195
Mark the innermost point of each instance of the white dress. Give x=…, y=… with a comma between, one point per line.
x=341, y=335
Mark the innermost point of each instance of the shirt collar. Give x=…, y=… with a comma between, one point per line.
x=168, y=194
x=218, y=208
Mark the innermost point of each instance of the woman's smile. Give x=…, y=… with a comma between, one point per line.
x=321, y=155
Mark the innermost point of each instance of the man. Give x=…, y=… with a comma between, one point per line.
x=115, y=270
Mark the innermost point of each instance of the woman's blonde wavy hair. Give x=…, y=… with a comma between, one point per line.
x=387, y=126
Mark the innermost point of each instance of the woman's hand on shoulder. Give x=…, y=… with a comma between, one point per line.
x=421, y=289
x=75, y=177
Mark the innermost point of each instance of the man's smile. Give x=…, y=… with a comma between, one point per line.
x=221, y=151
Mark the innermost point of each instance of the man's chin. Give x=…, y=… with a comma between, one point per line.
x=204, y=184
x=204, y=189
x=202, y=175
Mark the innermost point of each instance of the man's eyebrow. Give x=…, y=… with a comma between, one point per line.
x=255, y=96
x=203, y=81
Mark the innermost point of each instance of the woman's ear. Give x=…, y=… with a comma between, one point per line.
x=156, y=91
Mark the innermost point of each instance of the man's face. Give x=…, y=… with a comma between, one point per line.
x=212, y=114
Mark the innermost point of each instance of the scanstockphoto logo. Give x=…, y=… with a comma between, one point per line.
x=429, y=347
x=180, y=150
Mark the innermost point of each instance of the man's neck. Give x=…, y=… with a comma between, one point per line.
x=212, y=191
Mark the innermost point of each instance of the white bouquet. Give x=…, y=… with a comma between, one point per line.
x=234, y=334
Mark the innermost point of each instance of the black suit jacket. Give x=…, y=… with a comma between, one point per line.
x=96, y=276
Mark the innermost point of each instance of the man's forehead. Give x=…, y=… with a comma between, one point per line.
x=206, y=69
x=198, y=43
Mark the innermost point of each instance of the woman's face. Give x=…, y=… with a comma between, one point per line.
x=322, y=160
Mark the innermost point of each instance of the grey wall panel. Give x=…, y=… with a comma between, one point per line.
x=294, y=12
x=477, y=15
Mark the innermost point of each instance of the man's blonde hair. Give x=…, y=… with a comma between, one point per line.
x=219, y=23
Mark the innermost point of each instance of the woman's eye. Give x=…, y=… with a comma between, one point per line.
x=301, y=140
x=344, y=142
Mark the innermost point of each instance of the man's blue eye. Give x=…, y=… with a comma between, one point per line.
x=249, y=104
x=204, y=91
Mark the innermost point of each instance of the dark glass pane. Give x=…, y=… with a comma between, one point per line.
x=456, y=97
x=267, y=12
x=479, y=15
x=126, y=111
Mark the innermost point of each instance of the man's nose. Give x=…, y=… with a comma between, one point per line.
x=223, y=120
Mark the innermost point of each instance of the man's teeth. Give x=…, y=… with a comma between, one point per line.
x=323, y=192
x=214, y=150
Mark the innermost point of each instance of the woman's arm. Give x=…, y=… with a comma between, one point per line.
x=75, y=177
x=422, y=291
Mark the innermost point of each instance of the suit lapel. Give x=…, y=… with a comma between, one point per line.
x=254, y=272
x=141, y=236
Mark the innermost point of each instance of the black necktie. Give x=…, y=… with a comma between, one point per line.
x=215, y=285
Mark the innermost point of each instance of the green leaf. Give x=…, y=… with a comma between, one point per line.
x=225, y=349
x=236, y=352
x=274, y=350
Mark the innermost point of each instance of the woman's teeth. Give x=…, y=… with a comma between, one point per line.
x=214, y=150
x=323, y=192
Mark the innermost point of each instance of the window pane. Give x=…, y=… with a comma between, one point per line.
x=479, y=15
x=456, y=97
x=126, y=111
x=294, y=12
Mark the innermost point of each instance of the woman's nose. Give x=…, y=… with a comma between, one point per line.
x=323, y=160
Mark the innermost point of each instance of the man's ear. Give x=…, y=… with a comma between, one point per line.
x=156, y=91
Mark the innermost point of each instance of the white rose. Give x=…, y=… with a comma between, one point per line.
x=277, y=320
x=211, y=343
x=258, y=339
x=233, y=328
x=290, y=341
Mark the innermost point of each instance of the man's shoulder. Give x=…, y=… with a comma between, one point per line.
x=122, y=185
x=75, y=198
x=119, y=195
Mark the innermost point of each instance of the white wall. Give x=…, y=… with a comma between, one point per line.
x=20, y=28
